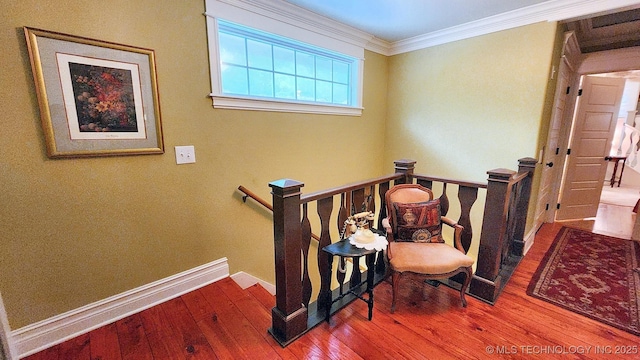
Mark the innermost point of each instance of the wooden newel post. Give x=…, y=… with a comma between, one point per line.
x=486, y=281
x=406, y=167
x=289, y=317
x=525, y=165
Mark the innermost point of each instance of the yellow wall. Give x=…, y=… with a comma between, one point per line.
x=75, y=231
x=469, y=106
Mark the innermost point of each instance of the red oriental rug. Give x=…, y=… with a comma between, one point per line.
x=593, y=275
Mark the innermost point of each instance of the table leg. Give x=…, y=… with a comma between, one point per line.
x=371, y=271
x=327, y=296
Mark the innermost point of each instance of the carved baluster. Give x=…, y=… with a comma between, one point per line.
x=345, y=206
x=444, y=200
x=358, y=203
x=306, y=242
x=325, y=206
x=512, y=195
x=371, y=201
x=635, y=146
x=467, y=196
x=358, y=200
x=382, y=190
x=426, y=183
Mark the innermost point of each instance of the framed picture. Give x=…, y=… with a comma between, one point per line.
x=96, y=98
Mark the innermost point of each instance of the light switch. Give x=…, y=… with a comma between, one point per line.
x=185, y=154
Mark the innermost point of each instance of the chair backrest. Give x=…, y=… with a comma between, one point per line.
x=397, y=199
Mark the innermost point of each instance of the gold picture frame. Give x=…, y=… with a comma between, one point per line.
x=96, y=98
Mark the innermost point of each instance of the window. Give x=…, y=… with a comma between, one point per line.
x=259, y=63
x=263, y=65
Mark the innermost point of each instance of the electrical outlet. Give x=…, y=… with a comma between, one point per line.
x=185, y=154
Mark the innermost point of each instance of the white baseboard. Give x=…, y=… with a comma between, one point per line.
x=528, y=241
x=245, y=280
x=49, y=332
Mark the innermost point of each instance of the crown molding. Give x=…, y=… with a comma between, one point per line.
x=553, y=10
x=299, y=17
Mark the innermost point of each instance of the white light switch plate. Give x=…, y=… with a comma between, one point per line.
x=185, y=154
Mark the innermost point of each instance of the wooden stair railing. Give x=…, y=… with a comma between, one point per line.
x=249, y=194
x=500, y=248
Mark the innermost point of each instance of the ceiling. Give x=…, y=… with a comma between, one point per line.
x=398, y=20
x=394, y=20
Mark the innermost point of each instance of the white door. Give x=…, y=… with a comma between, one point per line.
x=551, y=156
x=595, y=121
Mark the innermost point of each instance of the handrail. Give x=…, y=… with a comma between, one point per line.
x=254, y=197
x=262, y=202
x=349, y=187
x=471, y=184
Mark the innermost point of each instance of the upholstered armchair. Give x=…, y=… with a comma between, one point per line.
x=414, y=232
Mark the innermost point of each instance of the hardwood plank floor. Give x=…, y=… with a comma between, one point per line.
x=222, y=321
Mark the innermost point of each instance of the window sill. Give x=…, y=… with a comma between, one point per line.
x=224, y=102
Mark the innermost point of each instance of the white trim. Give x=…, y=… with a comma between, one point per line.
x=46, y=333
x=289, y=21
x=224, y=102
x=245, y=280
x=554, y=10
x=528, y=240
x=297, y=19
x=610, y=60
x=8, y=350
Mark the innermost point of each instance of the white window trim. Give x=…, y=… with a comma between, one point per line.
x=245, y=12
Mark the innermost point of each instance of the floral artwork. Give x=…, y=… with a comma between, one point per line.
x=96, y=98
x=104, y=98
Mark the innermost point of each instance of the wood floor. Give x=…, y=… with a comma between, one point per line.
x=222, y=321
x=615, y=216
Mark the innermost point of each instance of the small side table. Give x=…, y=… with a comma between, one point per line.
x=343, y=248
x=616, y=160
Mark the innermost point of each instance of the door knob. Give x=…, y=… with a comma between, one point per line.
x=549, y=164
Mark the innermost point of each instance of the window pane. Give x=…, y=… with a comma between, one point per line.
x=323, y=91
x=340, y=94
x=260, y=83
x=304, y=64
x=234, y=80
x=232, y=50
x=323, y=68
x=285, y=86
x=259, y=55
x=306, y=89
x=258, y=64
x=284, y=60
x=340, y=72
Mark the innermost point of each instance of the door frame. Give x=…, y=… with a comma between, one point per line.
x=586, y=64
x=568, y=66
x=7, y=349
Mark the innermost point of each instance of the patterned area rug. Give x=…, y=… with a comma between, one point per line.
x=593, y=275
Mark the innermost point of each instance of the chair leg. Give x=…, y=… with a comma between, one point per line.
x=395, y=279
x=465, y=285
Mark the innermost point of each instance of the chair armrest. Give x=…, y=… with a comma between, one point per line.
x=386, y=224
x=457, y=233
